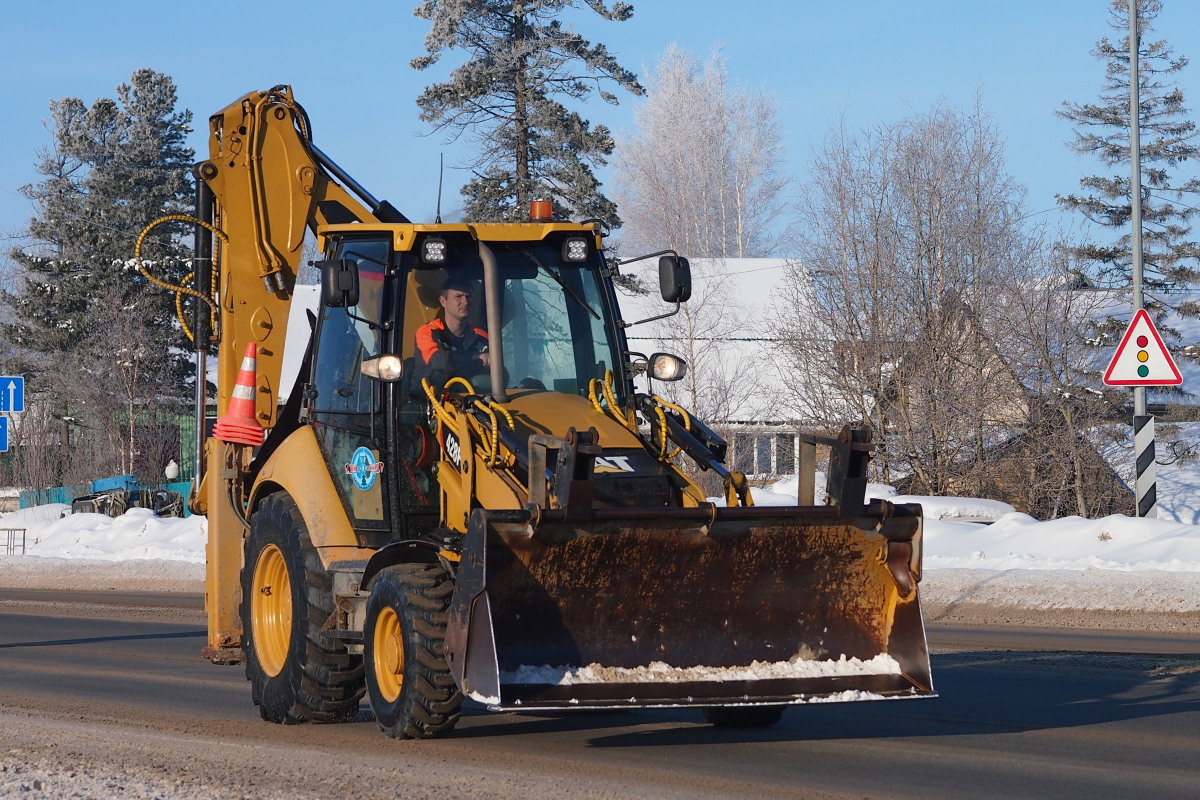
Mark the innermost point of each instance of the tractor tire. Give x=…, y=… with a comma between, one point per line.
x=409, y=684
x=743, y=716
x=296, y=674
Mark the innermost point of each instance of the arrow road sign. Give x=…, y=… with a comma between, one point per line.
x=12, y=393
x=1142, y=358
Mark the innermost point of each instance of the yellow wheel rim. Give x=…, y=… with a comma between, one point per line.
x=388, y=660
x=271, y=610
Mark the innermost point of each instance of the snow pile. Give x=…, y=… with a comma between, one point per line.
x=659, y=672
x=1099, y=590
x=1018, y=541
x=136, y=534
x=784, y=492
x=1116, y=563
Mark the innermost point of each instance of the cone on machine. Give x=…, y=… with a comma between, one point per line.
x=238, y=424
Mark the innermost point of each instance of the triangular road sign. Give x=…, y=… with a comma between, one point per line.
x=1142, y=358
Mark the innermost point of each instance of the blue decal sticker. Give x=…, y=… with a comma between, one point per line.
x=363, y=468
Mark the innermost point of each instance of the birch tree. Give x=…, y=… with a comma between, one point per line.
x=910, y=238
x=704, y=170
x=703, y=174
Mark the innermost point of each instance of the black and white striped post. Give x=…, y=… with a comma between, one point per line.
x=1145, y=487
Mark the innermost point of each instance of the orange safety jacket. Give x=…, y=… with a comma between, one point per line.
x=441, y=355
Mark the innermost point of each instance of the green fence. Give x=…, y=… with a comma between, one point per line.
x=55, y=494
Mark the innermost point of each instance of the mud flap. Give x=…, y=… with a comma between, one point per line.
x=706, y=606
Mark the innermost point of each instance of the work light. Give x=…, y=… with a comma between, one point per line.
x=575, y=249
x=433, y=250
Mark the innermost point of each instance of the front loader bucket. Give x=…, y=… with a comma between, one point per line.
x=706, y=606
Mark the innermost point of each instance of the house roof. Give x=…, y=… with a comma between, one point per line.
x=736, y=303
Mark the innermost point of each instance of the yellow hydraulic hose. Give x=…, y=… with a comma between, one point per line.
x=687, y=420
x=466, y=384
x=179, y=307
x=439, y=412
x=662, y=433
x=491, y=409
x=592, y=384
x=178, y=290
x=610, y=398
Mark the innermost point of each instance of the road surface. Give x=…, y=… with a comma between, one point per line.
x=105, y=695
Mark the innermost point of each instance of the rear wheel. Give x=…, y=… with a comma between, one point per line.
x=743, y=716
x=295, y=673
x=409, y=683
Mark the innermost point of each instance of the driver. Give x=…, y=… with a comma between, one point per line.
x=449, y=346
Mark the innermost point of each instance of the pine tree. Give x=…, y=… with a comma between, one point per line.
x=1167, y=141
x=530, y=145
x=92, y=332
x=113, y=168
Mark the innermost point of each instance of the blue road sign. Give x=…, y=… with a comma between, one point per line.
x=12, y=393
x=3, y=434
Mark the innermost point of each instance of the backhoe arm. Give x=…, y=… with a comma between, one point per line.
x=264, y=183
x=268, y=183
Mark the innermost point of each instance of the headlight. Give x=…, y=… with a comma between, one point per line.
x=384, y=368
x=575, y=249
x=666, y=367
x=433, y=250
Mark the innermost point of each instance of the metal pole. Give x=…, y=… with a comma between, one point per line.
x=1135, y=186
x=1143, y=424
x=201, y=327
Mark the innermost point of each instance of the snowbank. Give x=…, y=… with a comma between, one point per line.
x=1113, y=564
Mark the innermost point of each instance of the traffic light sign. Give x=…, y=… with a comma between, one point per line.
x=1142, y=358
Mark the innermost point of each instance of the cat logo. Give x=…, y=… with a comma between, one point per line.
x=613, y=464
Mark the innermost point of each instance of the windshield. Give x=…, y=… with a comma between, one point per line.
x=552, y=314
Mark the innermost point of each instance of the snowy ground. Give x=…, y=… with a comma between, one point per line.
x=1105, y=567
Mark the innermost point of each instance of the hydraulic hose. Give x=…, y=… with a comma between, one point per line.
x=178, y=290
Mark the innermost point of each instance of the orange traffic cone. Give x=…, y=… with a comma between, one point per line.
x=239, y=425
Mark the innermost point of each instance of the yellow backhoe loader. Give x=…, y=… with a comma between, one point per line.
x=519, y=532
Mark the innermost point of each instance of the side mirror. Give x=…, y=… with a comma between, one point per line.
x=339, y=283
x=675, y=279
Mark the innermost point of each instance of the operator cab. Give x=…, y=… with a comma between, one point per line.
x=550, y=320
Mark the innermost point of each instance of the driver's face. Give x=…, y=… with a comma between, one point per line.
x=457, y=304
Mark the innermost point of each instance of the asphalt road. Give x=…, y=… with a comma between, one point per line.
x=111, y=689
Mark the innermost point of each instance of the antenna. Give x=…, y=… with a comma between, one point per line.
x=441, y=172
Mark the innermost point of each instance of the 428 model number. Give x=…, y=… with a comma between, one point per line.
x=453, y=449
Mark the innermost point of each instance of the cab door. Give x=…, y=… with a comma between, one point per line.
x=346, y=407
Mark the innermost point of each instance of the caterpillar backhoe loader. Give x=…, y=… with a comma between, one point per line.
x=523, y=536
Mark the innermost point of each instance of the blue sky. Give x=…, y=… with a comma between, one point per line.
x=866, y=61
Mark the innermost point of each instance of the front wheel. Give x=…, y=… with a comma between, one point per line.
x=409, y=684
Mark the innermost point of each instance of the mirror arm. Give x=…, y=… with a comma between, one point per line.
x=670, y=313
